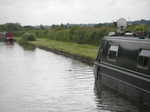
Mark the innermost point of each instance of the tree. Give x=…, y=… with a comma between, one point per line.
x=29, y=27
x=13, y=27
x=115, y=24
x=53, y=26
x=98, y=25
x=62, y=26
x=2, y=28
x=42, y=27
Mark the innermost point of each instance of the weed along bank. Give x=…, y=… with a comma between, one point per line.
x=123, y=64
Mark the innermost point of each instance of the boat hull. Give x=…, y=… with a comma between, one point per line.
x=125, y=83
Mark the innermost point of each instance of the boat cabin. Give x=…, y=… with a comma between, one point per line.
x=123, y=64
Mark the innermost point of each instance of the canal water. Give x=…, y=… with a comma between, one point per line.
x=35, y=80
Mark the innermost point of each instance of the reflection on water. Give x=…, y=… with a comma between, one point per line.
x=9, y=42
x=107, y=100
x=41, y=81
x=28, y=47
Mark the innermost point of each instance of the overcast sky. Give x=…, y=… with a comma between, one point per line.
x=48, y=12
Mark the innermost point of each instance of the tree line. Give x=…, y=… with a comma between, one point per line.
x=17, y=27
x=76, y=33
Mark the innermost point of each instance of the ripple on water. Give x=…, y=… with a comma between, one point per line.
x=41, y=81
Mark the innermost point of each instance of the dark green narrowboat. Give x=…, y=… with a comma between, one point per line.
x=123, y=64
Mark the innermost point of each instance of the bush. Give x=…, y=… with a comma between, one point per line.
x=18, y=33
x=27, y=37
x=140, y=28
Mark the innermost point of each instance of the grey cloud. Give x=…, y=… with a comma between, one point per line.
x=37, y=12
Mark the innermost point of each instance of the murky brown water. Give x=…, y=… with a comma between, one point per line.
x=34, y=80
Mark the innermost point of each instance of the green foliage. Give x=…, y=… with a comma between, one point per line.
x=42, y=27
x=98, y=25
x=27, y=28
x=72, y=31
x=140, y=28
x=2, y=28
x=27, y=37
x=75, y=34
x=80, y=35
x=58, y=27
x=18, y=33
x=13, y=27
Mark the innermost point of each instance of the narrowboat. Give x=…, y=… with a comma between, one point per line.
x=4, y=36
x=9, y=36
x=123, y=64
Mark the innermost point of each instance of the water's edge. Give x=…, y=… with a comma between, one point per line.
x=53, y=80
x=84, y=59
x=89, y=61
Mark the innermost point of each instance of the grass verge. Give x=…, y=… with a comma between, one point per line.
x=81, y=50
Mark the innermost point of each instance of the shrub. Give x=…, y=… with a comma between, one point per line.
x=27, y=37
x=140, y=28
x=18, y=33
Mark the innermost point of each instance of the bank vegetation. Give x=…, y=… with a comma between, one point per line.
x=76, y=40
x=76, y=34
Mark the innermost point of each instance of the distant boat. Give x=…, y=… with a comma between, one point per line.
x=9, y=36
x=4, y=36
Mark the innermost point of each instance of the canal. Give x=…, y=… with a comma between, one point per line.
x=35, y=80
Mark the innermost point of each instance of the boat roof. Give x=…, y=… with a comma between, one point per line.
x=131, y=38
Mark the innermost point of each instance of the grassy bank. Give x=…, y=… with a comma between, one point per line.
x=81, y=50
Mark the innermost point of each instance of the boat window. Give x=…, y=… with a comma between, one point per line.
x=113, y=48
x=112, y=52
x=145, y=53
x=143, y=59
